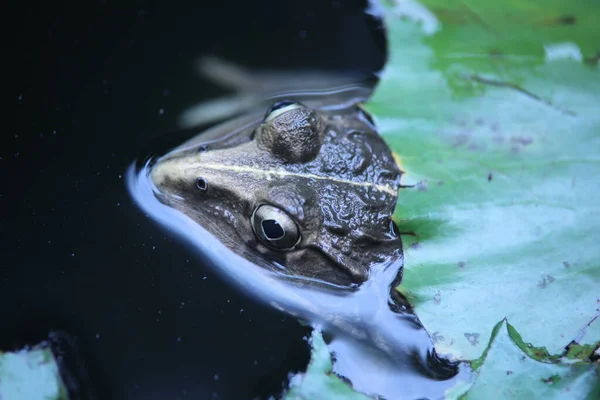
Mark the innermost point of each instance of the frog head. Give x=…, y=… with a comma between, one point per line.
x=310, y=193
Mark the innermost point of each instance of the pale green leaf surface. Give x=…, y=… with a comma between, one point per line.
x=30, y=375
x=506, y=212
x=318, y=382
x=513, y=375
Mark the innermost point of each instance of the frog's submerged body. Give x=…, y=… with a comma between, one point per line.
x=310, y=192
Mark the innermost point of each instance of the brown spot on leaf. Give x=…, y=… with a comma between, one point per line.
x=473, y=338
x=496, y=53
x=461, y=139
x=522, y=140
x=545, y=280
x=566, y=20
x=566, y=264
x=474, y=147
x=436, y=337
x=415, y=246
x=421, y=186
x=490, y=177
x=509, y=372
x=593, y=60
x=461, y=264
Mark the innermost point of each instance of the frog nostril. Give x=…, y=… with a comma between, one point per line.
x=201, y=184
x=272, y=229
x=203, y=148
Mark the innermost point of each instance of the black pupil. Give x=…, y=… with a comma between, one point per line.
x=201, y=184
x=279, y=105
x=272, y=229
x=203, y=148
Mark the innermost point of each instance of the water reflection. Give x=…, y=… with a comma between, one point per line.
x=381, y=349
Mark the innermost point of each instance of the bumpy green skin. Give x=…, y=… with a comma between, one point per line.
x=329, y=171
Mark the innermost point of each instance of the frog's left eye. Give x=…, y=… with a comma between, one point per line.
x=280, y=107
x=275, y=228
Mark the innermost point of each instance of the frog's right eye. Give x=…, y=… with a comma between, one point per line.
x=279, y=107
x=275, y=228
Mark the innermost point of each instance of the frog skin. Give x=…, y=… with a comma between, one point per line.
x=304, y=192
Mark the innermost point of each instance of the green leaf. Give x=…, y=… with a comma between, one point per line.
x=30, y=375
x=511, y=374
x=492, y=108
x=319, y=381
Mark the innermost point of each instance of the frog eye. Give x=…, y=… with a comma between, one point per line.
x=201, y=184
x=279, y=107
x=274, y=228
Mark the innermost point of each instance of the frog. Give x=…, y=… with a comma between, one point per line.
x=307, y=191
x=291, y=198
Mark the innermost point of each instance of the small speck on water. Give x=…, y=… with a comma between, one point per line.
x=161, y=111
x=179, y=339
x=302, y=34
x=241, y=310
x=204, y=278
x=72, y=254
x=97, y=336
x=153, y=247
x=216, y=377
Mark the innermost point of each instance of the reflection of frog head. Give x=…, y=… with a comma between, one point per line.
x=309, y=193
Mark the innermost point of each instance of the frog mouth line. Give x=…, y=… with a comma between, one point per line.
x=280, y=173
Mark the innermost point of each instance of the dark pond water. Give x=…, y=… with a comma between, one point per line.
x=95, y=83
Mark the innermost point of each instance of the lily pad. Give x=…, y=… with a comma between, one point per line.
x=31, y=374
x=319, y=381
x=511, y=374
x=492, y=108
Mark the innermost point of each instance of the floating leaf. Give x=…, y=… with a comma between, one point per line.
x=30, y=374
x=319, y=382
x=492, y=108
x=506, y=372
